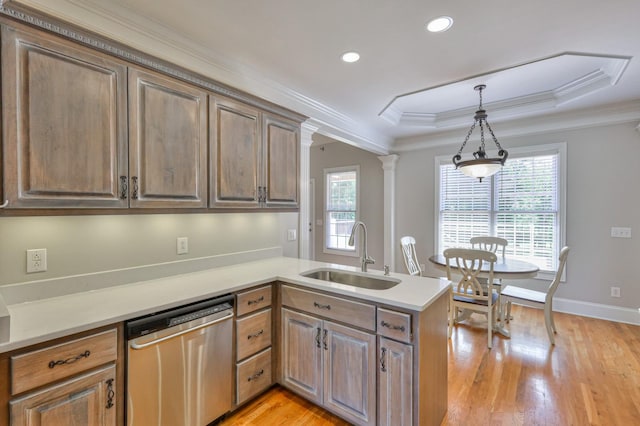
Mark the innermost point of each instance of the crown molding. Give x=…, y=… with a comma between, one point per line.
x=593, y=117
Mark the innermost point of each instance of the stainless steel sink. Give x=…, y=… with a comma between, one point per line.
x=352, y=278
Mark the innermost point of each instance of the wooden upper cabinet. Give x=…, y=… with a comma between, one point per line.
x=235, y=153
x=167, y=142
x=64, y=123
x=281, y=142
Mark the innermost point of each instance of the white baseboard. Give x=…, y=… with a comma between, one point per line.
x=597, y=310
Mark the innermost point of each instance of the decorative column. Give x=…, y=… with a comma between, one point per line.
x=389, y=167
x=304, y=215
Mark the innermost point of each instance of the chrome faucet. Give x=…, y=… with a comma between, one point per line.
x=364, y=259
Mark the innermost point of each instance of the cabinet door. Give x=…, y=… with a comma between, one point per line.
x=350, y=373
x=281, y=142
x=167, y=142
x=235, y=153
x=396, y=383
x=302, y=354
x=85, y=400
x=64, y=124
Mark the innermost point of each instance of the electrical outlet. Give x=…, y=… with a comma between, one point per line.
x=182, y=245
x=617, y=232
x=36, y=260
x=291, y=235
x=615, y=291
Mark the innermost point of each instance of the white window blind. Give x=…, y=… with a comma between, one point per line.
x=341, y=207
x=521, y=203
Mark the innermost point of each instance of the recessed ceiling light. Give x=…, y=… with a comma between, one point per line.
x=350, y=57
x=440, y=24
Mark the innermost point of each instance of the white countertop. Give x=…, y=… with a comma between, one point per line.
x=41, y=320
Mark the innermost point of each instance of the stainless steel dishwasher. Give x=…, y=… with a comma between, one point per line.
x=179, y=365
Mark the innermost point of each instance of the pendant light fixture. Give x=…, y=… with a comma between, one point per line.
x=480, y=166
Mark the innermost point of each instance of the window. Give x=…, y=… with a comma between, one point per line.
x=523, y=203
x=341, y=208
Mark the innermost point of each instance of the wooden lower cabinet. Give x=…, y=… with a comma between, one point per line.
x=395, y=396
x=330, y=364
x=87, y=400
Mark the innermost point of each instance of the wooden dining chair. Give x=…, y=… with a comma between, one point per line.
x=495, y=245
x=468, y=292
x=537, y=299
x=408, y=245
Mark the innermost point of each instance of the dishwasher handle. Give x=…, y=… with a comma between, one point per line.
x=135, y=345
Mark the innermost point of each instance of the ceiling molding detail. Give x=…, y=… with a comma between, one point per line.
x=611, y=115
x=580, y=79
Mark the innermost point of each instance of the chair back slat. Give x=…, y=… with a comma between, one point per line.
x=489, y=243
x=408, y=245
x=468, y=263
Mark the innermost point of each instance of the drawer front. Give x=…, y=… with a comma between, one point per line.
x=46, y=365
x=346, y=311
x=252, y=300
x=395, y=325
x=253, y=333
x=253, y=376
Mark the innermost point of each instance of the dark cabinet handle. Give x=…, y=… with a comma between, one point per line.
x=319, y=306
x=383, y=360
x=324, y=340
x=71, y=360
x=318, y=331
x=123, y=187
x=391, y=326
x=253, y=336
x=253, y=302
x=256, y=376
x=134, y=181
x=110, y=393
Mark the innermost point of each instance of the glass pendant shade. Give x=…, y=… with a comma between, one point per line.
x=480, y=166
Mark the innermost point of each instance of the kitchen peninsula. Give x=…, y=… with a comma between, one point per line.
x=421, y=302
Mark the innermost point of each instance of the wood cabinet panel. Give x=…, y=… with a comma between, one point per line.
x=253, y=333
x=86, y=400
x=43, y=366
x=252, y=300
x=302, y=367
x=395, y=398
x=282, y=141
x=235, y=153
x=350, y=373
x=346, y=311
x=167, y=142
x=395, y=325
x=64, y=123
x=253, y=375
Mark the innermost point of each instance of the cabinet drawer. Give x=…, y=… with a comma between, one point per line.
x=346, y=311
x=253, y=333
x=253, y=375
x=253, y=300
x=395, y=325
x=37, y=368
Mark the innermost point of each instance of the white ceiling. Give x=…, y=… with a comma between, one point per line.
x=288, y=51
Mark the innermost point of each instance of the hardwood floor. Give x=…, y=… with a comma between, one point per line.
x=590, y=377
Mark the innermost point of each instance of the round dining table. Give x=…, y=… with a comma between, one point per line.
x=505, y=268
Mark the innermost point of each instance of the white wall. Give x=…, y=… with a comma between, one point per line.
x=86, y=244
x=371, y=197
x=603, y=190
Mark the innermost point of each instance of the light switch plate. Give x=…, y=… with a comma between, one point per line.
x=182, y=245
x=291, y=235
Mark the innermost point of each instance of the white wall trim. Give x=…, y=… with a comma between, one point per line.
x=597, y=310
x=389, y=166
x=306, y=132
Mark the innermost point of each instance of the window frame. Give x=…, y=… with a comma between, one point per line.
x=354, y=251
x=517, y=152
